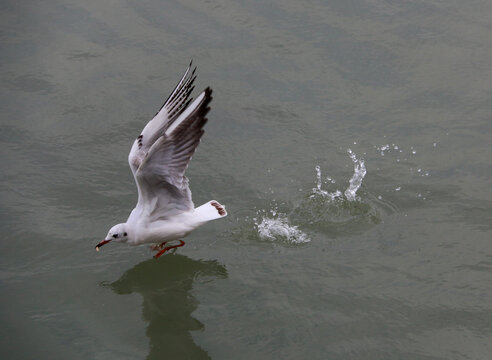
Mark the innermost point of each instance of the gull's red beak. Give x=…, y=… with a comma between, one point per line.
x=104, y=242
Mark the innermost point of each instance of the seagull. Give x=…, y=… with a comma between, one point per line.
x=158, y=159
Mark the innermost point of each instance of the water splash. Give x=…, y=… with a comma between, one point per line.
x=356, y=179
x=318, y=191
x=321, y=210
x=277, y=228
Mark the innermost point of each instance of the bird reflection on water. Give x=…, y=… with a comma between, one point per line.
x=166, y=285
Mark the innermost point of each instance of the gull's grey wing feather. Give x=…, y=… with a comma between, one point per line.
x=169, y=112
x=163, y=188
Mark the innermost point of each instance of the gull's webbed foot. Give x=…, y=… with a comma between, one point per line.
x=181, y=243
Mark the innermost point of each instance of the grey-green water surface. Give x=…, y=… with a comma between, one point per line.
x=404, y=272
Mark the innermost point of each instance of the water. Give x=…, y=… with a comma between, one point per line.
x=386, y=255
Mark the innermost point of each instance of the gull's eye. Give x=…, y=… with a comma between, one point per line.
x=124, y=234
x=115, y=236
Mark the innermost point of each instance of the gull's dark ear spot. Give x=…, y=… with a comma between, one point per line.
x=125, y=234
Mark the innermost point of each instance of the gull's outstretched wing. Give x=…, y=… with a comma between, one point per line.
x=162, y=187
x=174, y=106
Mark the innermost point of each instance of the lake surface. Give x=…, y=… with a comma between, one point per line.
x=308, y=95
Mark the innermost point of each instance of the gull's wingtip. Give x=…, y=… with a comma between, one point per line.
x=208, y=93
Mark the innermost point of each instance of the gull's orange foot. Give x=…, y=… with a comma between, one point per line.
x=181, y=243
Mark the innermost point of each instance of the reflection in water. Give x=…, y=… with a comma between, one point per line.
x=165, y=285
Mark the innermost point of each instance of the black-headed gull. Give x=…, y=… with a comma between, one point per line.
x=158, y=159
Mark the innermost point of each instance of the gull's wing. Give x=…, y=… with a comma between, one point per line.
x=174, y=106
x=162, y=187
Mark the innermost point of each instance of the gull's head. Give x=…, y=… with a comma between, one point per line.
x=117, y=233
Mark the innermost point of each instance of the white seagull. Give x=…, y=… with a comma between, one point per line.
x=158, y=159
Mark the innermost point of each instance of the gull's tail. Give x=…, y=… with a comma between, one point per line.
x=210, y=211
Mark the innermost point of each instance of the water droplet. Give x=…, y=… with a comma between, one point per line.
x=383, y=148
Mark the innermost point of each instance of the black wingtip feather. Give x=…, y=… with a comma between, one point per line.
x=183, y=83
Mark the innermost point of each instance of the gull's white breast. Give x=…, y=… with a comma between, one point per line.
x=174, y=228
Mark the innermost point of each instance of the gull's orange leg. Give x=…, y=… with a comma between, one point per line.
x=181, y=243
